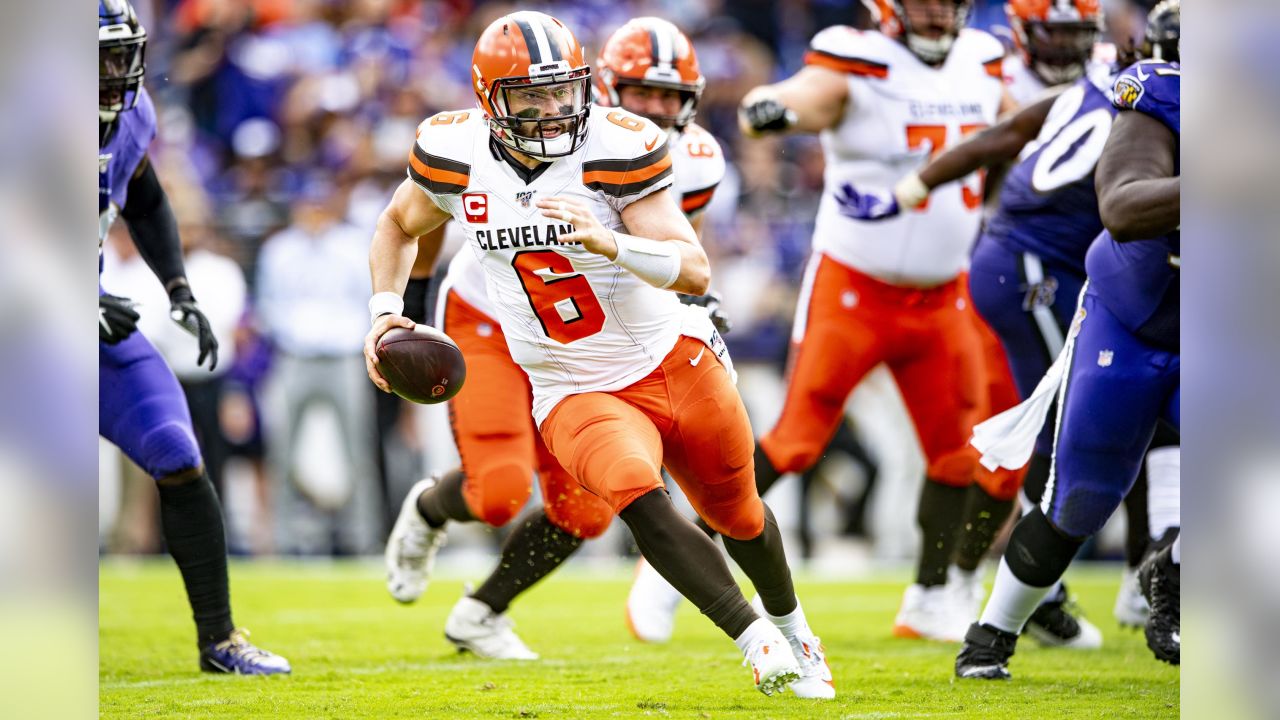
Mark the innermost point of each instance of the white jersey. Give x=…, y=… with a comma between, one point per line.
x=573, y=320
x=899, y=111
x=698, y=166
x=1025, y=87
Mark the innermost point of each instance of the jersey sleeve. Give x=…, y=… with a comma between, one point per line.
x=986, y=49
x=437, y=161
x=629, y=159
x=698, y=177
x=844, y=49
x=1153, y=88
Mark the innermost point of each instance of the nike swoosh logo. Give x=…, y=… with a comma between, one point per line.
x=695, y=360
x=102, y=321
x=1141, y=75
x=649, y=145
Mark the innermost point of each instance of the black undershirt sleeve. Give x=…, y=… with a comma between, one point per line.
x=153, y=227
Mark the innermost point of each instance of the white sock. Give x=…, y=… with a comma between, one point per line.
x=761, y=629
x=790, y=624
x=1012, y=601
x=1176, y=552
x=1164, y=489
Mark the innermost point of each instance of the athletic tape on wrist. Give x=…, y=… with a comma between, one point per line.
x=385, y=303
x=657, y=262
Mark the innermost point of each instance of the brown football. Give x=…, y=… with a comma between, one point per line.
x=422, y=365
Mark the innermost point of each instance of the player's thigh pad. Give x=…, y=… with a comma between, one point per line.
x=568, y=505
x=839, y=341
x=491, y=418
x=1117, y=387
x=609, y=445
x=142, y=410
x=709, y=447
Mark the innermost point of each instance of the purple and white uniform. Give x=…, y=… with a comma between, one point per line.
x=1125, y=369
x=141, y=407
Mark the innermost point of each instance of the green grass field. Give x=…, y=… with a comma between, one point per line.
x=357, y=654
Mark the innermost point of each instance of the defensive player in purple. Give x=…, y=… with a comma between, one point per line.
x=1121, y=372
x=141, y=408
x=1026, y=274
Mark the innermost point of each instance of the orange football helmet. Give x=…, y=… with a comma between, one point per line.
x=895, y=22
x=1055, y=37
x=651, y=52
x=530, y=60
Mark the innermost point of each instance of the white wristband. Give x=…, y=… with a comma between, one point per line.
x=910, y=191
x=385, y=303
x=656, y=262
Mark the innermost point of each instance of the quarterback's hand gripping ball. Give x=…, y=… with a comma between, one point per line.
x=420, y=364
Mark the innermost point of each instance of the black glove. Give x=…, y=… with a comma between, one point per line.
x=711, y=301
x=116, y=318
x=184, y=311
x=768, y=114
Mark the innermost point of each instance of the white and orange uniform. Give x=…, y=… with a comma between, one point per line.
x=891, y=291
x=581, y=329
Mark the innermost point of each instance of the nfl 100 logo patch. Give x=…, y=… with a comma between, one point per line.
x=525, y=197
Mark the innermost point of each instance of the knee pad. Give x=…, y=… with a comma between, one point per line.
x=630, y=477
x=956, y=468
x=496, y=494
x=1038, y=553
x=580, y=514
x=1081, y=509
x=169, y=449
x=1002, y=484
x=742, y=520
x=790, y=456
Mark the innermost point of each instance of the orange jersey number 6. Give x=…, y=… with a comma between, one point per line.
x=560, y=296
x=630, y=123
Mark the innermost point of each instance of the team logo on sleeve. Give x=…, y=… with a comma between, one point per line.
x=476, y=207
x=1128, y=92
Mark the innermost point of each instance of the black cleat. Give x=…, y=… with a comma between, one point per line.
x=1162, y=587
x=986, y=653
x=1057, y=622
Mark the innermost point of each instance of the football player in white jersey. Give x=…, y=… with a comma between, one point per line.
x=892, y=291
x=625, y=379
x=501, y=457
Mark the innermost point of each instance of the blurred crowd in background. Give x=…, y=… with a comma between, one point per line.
x=284, y=126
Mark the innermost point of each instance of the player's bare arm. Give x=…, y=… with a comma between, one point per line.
x=810, y=101
x=429, y=247
x=999, y=143
x=1139, y=192
x=410, y=216
x=661, y=248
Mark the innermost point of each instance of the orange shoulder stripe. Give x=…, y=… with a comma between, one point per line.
x=853, y=66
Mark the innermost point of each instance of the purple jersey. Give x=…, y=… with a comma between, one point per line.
x=119, y=158
x=1138, y=281
x=1048, y=206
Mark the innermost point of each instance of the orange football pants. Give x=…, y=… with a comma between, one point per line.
x=849, y=322
x=493, y=427
x=686, y=416
x=1001, y=394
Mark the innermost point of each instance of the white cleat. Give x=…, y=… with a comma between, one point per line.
x=412, y=547
x=773, y=665
x=1058, y=623
x=651, y=605
x=931, y=613
x=1131, y=609
x=472, y=626
x=816, y=681
x=967, y=593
